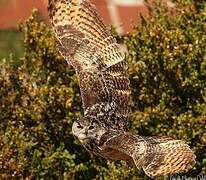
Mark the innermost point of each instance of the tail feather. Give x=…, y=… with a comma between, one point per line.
x=164, y=156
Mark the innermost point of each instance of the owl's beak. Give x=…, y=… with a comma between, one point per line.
x=81, y=134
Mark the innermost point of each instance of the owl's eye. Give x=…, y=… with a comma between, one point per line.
x=91, y=127
x=79, y=126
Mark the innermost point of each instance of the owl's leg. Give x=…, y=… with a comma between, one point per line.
x=130, y=164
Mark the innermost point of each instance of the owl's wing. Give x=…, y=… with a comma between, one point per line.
x=157, y=155
x=97, y=58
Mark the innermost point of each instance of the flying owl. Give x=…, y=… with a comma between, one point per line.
x=99, y=62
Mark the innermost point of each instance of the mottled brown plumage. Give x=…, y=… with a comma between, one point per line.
x=99, y=62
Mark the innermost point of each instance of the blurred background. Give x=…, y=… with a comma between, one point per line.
x=12, y=12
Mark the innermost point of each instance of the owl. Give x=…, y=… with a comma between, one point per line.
x=99, y=62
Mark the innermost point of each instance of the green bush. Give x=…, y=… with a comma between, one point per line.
x=39, y=98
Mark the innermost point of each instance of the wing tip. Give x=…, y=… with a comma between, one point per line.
x=178, y=159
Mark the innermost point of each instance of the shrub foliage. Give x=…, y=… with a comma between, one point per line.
x=39, y=98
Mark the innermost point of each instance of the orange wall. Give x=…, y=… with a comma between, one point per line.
x=13, y=11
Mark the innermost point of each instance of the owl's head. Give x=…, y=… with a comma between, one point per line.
x=87, y=129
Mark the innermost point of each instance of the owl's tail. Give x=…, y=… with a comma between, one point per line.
x=164, y=156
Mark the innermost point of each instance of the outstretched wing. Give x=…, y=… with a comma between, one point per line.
x=97, y=58
x=156, y=155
